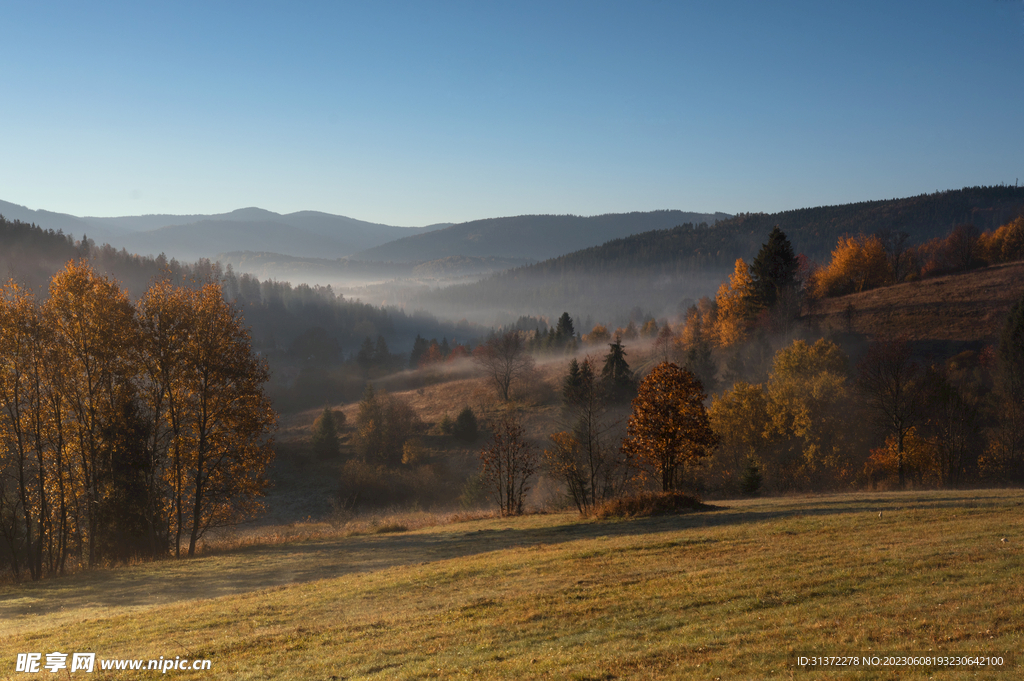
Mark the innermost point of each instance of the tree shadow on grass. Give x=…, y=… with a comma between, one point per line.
x=109, y=592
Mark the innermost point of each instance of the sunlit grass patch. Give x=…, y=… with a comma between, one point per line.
x=729, y=593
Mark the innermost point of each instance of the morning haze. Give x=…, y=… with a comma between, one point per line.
x=666, y=340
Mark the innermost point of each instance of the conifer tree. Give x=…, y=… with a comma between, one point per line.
x=774, y=269
x=616, y=378
x=325, y=434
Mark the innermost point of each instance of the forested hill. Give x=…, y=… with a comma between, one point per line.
x=531, y=237
x=280, y=315
x=814, y=231
x=661, y=269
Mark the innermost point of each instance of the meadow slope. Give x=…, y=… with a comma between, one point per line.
x=734, y=592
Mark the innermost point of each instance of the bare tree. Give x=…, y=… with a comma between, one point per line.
x=962, y=245
x=894, y=388
x=897, y=252
x=505, y=360
x=509, y=461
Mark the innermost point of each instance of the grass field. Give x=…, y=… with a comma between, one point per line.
x=730, y=593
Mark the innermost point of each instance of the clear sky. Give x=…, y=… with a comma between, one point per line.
x=411, y=113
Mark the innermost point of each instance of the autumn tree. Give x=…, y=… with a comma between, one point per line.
x=383, y=425
x=742, y=418
x=1005, y=244
x=227, y=415
x=858, y=263
x=900, y=255
x=508, y=463
x=1004, y=455
x=97, y=336
x=810, y=407
x=598, y=335
x=505, y=361
x=696, y=342
x=737, y=305
x=669, y=425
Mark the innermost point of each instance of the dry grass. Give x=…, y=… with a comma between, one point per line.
x=969, y=307
x=731, y=593
x=340, y=526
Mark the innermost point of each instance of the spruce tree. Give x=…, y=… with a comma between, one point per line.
x=616, y=378
x=324, y=440
x=564, y=330
x=774, y=268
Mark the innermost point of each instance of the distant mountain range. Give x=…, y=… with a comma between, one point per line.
x=530, y=237
x=190, y=237
x=664, y=270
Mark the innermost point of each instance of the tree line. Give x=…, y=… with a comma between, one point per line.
x=129, y=430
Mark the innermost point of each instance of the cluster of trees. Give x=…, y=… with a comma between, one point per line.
x=128, y=430
x=863, y=262
x=815, y=423
x=427, y=354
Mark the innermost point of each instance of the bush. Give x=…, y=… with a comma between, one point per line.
x=365, y=486
x=649, y=504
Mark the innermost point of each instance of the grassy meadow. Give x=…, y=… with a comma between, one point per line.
x=729, y=593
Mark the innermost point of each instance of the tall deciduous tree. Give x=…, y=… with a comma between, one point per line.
x=97, y=336
x=509, y=462
x=228, y=417
x=581, y=455
x=669, y=426
x=737, y=303
x=505, y=361
x=892, y=384
x=1004, y=456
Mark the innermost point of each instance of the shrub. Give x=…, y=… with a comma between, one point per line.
x=649, y=504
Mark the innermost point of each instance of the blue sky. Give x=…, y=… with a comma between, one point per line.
x=411, y=113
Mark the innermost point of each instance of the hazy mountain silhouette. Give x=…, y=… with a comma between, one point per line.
x=187, y=237
x=534, y=237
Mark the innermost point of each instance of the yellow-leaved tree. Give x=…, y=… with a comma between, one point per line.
x=737, y=304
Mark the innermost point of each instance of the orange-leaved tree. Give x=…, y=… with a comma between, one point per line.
x=737, y=304
x=227, y=417
x=669, y=426
x=858, y=263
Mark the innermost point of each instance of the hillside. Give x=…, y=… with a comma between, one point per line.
x=343, y=272
x=734, y=592
x=967, y=308
x=532, y=237
x=659, y=270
